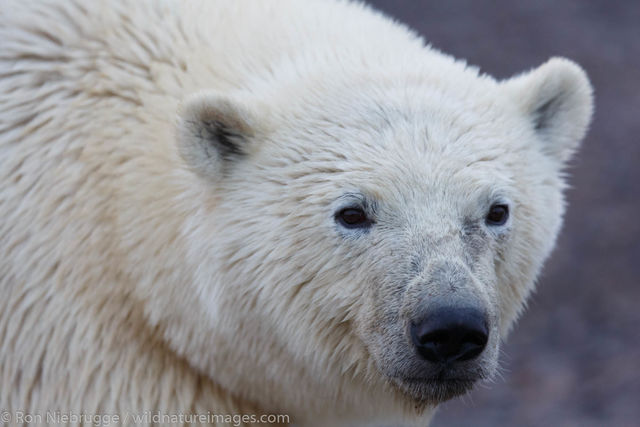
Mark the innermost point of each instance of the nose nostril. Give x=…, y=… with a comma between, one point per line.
x=450, y=334
x=475, y=337
x=435, y=338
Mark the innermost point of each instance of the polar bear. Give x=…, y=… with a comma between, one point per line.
x=276, y=207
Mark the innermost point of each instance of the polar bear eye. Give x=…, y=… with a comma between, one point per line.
x=498, y=215
x=353, y=218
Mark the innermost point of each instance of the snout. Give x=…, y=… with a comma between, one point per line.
x=444, y=336
x=450, y=334
x=447, y=350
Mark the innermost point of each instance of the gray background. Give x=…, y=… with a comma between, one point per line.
x=574, y=357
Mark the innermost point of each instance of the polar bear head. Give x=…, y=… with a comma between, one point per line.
x=370, y=237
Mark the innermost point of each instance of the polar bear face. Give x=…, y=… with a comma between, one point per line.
x=378, y=232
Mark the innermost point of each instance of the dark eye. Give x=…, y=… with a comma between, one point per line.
x=498, y=215
x=353, y=218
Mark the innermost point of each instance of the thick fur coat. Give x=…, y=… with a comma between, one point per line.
x=173, y=182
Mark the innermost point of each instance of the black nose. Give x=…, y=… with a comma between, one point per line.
x=450, y=334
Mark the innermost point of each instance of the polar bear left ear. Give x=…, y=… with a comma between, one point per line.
x=557, y=99
x=213, y=132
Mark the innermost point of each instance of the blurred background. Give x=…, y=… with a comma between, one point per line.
x=574, y=357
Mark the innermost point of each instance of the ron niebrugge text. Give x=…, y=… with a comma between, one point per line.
x=145, y=417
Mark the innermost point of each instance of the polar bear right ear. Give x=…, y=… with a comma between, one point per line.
x=213, y=131
x=557, y=100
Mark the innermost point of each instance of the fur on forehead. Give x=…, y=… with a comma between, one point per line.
x=373, y=124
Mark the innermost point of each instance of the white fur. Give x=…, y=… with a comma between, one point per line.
x=134, y=275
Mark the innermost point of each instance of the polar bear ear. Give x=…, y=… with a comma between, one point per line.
x=557, y=99
x=213, y=131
